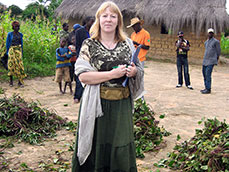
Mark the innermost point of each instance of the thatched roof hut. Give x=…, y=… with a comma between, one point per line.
x=163, y=18
x=174, y=14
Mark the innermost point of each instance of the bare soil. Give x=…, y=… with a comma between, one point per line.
x=182, y=107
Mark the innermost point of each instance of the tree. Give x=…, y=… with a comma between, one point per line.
x=15, y=10
x=2, y=8
x=52, y=5
x=34, y=9
x=47, y=7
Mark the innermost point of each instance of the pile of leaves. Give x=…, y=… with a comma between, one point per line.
x=148, y=135
x=208, y=150
x=2, y=91
x=27, y=121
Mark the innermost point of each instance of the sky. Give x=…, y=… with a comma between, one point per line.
x=23, y=3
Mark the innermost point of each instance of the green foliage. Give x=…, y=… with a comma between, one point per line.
x=35, y=9
x=39, y=48
x=30, y=123
x=39, y=45
x=225, y=45
x=15, y=10
x=52, y=6
x=27, y=121
x=59, y=163
x=208, y=150
x=3, y=163
x=2, y=91
x=148, y=135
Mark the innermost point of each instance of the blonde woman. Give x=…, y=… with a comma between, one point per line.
x=105, y=140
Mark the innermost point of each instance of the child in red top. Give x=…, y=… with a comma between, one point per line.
x=72, y=48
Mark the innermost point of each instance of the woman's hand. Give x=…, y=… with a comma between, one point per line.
x=119, y=71
x=131, y=71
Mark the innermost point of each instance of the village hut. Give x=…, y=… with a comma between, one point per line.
x=163, y=19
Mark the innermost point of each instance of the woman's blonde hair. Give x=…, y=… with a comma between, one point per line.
x=95, y=29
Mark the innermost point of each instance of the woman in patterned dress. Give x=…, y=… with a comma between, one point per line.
x=105, y=139
x=14, y=47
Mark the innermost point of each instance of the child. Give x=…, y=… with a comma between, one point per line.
x=63, y=55
x=72, y=48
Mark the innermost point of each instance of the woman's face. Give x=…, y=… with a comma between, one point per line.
x=108, y=21
x=16, y=28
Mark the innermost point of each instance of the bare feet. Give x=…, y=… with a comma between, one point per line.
x=20, y=84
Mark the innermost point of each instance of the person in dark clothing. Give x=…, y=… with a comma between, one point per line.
x=211, y=57
x=182, y=60
x=73, y=33
x=81, y=34
x=65, y=34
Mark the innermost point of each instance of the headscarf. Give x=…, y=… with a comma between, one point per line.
x=76, y=26
x=15, y=23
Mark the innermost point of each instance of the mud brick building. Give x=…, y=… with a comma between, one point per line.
x=163, y=19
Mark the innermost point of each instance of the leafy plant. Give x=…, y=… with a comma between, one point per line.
x=27, y=121
x=39, y=45
x=224, y=44
x=30, y=123
x=3, y=162
x=2, y=91
x=148, y=135
x=208, y=150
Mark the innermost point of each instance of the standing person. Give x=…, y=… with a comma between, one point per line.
x=183, y=47
x=140, y=37
x=81, y=34
x=73, y=33
x=72, y=48
x=65, y=34
x=14, y=50
x=211, y=57
x=63, y=55
x=105, y=140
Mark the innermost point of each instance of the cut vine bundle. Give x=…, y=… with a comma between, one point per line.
x=148, y=135
x=208, y=150
x=27, y=121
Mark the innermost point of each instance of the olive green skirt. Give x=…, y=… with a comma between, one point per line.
x=113, y=148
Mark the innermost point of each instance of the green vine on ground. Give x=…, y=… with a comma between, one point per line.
x=148, y=135
x=27, y=122
x=208, y=150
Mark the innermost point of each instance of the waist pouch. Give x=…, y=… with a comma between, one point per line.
x=112, y=93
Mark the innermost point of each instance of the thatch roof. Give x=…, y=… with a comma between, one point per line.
x=175, y=14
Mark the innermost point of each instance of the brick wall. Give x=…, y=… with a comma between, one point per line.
x=163, y=45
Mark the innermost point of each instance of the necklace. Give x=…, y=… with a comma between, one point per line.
x=109, y=44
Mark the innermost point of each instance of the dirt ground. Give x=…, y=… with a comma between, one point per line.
x=182, y=107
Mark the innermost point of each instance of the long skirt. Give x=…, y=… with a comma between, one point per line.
x=113, y=148
x=15, y=63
